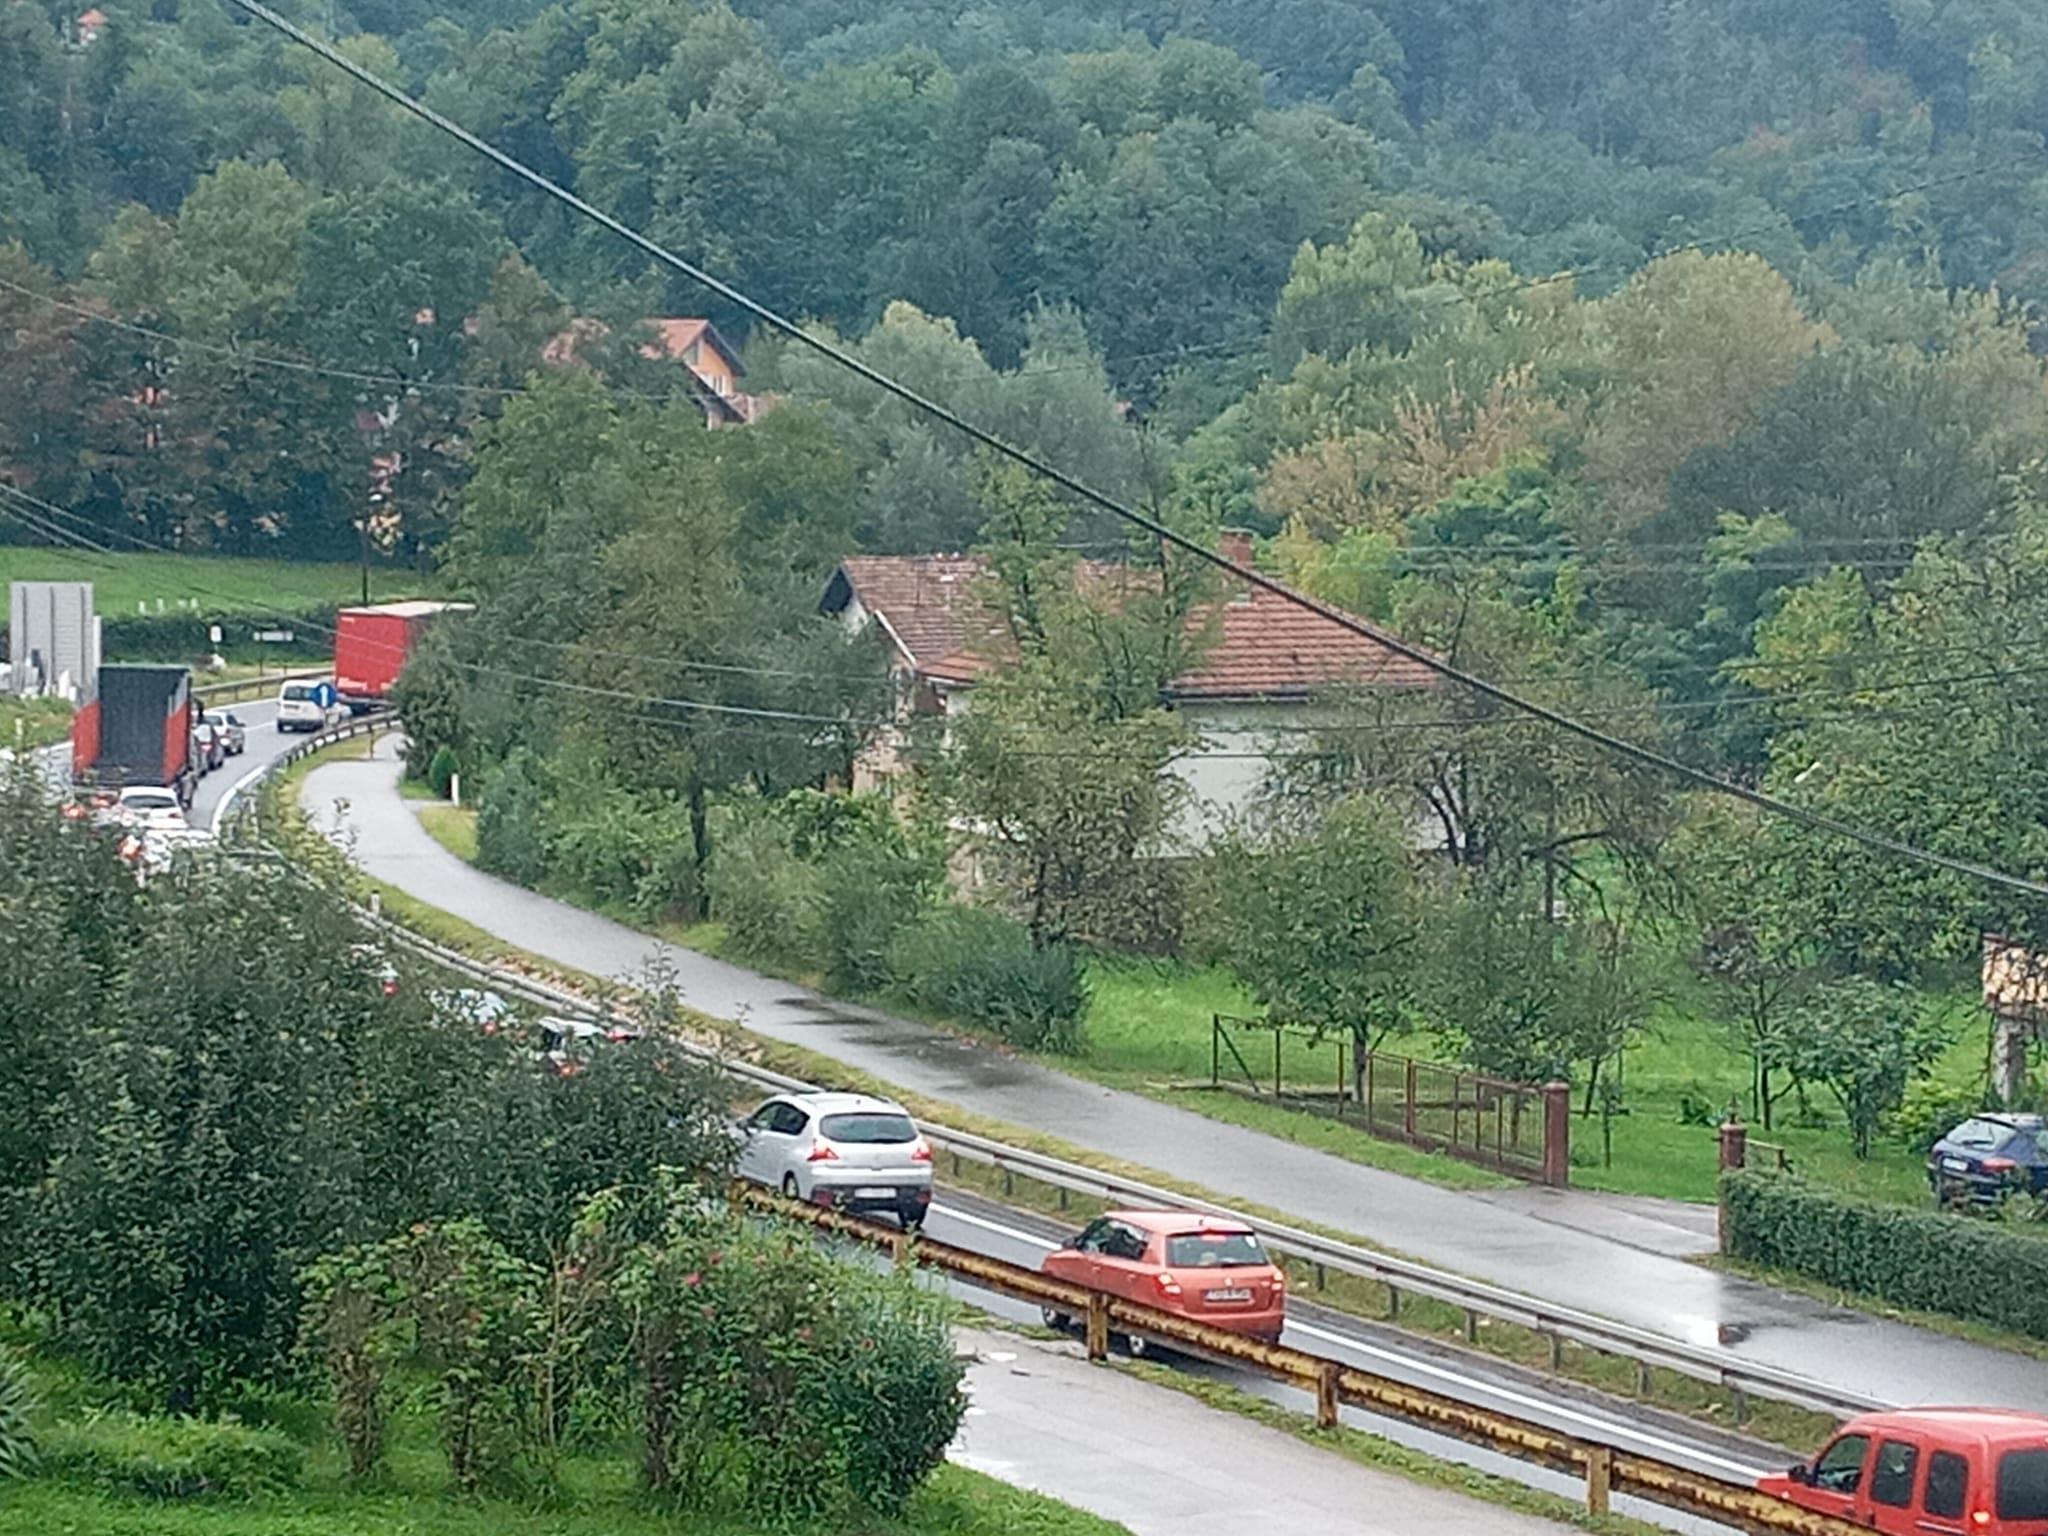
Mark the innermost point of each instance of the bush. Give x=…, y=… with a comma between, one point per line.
x=17, y=1418
x=172, y=1458
x=1929, y=1111
x=510, y=837
x=441, y=770
x=771, y=902
x=1924, y=1259
x=779, y=1378
x=980, y=967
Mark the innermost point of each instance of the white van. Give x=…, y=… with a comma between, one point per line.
x=299, y=709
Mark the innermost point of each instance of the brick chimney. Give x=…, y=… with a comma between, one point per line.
x=1235, y=545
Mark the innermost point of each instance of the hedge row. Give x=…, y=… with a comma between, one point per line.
x=1928, y=1260
x=187, y=636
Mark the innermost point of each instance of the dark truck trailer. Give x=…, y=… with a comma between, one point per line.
x=138, y=730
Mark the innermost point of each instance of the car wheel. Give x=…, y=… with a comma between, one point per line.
x=1056, y=1320
x=912, y=1217
x=1138, y=1347
x=789, y=1187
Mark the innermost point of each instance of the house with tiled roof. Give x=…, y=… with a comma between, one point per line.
x=698, y=345
x=1266, y=668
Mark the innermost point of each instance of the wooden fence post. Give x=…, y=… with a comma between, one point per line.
x=1098, y=1326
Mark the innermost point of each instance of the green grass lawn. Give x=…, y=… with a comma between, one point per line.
x=601, y=1502
x=452, y=826
x=1150, y=1029
x=126, y=584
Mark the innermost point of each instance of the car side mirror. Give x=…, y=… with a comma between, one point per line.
x=1799, y=1472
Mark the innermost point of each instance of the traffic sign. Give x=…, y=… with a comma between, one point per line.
x=274, y=636
x=325, y=696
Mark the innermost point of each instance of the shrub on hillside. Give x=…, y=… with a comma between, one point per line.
x=1929, y=1111
x=171, y=1458
x=1911, y=1258
x=981, y=968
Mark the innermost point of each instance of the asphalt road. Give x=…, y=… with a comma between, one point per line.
x=1025, y=1238
x=1627, y=1260
x=1041, y=1417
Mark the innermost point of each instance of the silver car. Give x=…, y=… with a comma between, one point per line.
x=234, y=735
x=844, y=1150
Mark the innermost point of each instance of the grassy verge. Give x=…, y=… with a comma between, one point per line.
x=125, y=583
x=955, y=1503
x=453, y=827
x=1382, y=1455
x=30, y=723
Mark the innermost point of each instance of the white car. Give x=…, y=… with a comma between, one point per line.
x=845, y=1150
x=299, y=709
x=150, y=808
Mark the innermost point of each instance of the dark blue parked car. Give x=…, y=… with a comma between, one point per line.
x=1989, y=1155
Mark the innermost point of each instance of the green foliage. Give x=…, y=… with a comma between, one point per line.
x=776, y=1378
x=1324, y=928
x=771, y=902
x=1928, y=1110
x=1930, y=1260
x=18, y=1408
x=441, y=770
x=981, y=967
x=1866, y=1042
x=233, y=1100
x=171, y=1458
x=511, y=835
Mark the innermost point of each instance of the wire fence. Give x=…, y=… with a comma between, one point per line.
x=1522, y=1129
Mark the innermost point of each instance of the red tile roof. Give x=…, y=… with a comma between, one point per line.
x=1260, y=645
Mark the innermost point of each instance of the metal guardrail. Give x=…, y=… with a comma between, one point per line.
x=1606, y=1470
x=1402, y=1277
x=251, y=687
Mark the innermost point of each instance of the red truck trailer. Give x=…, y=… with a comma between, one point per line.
x=136, y=730
x=371, y=646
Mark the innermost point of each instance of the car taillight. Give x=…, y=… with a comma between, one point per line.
x=618, y=1035
x=1168, y=1286
x=1999, y=1165
x=1279, y=1280
x=391, y=989
x=921, y=1152
x=822, y=1152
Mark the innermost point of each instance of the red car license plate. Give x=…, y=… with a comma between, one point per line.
x=1230, y=1295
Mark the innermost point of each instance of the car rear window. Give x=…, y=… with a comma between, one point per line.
x=158, y=801
x=1979, y=1135
x=298, y=691
x=1204, y=1250
x=867, y=1129
x=2023, y=1485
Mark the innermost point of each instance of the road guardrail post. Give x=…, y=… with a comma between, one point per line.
x=1098, y=1326
x=1599, y=1478
x=1326, y=1395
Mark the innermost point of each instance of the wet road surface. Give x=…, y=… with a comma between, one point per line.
x=1621, y=1259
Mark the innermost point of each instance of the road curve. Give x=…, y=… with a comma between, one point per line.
x=1570, y=1248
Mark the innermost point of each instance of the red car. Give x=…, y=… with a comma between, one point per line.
x=1930, y=1471
x=1206, y=1268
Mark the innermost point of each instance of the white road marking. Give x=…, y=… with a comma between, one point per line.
x=1537, y=1407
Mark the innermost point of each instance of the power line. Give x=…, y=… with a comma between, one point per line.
x=1644, y=756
